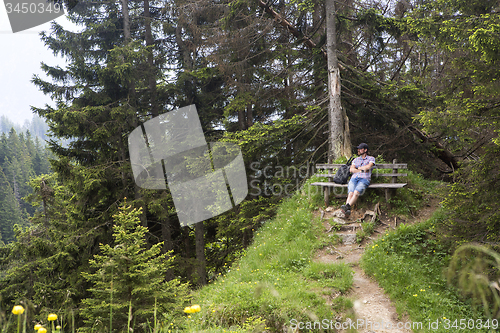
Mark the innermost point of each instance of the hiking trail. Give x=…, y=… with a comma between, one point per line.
x=371, y=304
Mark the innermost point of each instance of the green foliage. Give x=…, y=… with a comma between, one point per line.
x=43, y=265
x=379, y=23
x=476, y=270
x=367, y=229
x=21, y=157
x=411, y=198
x=9, y=210
x=472, y=203
x=468, y=92
x=128, y=280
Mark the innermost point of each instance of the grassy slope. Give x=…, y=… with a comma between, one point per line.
x=276, y=280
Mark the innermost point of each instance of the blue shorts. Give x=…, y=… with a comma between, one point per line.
x=358, y=184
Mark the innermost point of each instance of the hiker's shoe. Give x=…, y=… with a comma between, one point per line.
x=346, y=209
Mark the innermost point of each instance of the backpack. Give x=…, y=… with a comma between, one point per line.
x=343, y=174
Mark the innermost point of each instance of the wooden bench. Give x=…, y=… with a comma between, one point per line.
x=390, y=188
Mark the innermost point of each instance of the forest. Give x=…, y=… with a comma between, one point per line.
x=418, y=83
x=22, y=158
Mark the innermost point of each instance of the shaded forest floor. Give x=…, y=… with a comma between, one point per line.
x=372, y=306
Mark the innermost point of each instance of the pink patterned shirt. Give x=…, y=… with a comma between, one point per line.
x=359, y=162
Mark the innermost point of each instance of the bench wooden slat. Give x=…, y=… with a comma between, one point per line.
x=373, y=185
x=388, y=185
x=377, y=166
x=374, y=175
x=328, y=166
x=328, y=184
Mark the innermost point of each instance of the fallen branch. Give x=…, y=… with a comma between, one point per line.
x=441, y=152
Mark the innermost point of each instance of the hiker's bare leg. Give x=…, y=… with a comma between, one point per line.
x=352, y=197
x=349, y=197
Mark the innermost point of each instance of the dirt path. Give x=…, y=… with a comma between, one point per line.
x=373, y=309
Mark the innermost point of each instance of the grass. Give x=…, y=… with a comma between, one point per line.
x=409, y=264
x=367, y=228
x=276, y=282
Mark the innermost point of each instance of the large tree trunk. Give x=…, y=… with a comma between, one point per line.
x=126, y=21
x=199, y=231
x=151, y=70
x=339, y=138
x=132, y=102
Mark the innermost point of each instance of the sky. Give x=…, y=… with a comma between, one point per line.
x=20, y=56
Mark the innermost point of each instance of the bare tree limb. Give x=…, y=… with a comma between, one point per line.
x=294, y=31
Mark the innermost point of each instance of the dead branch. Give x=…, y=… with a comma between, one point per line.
x=294, y=31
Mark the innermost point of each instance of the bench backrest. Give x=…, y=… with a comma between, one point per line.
x=382, y=166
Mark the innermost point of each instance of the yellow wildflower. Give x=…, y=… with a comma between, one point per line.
x=52, y=317
x=18, y=310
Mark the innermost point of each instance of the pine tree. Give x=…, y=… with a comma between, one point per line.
x=129, y=280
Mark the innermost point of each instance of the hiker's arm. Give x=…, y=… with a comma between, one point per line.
x=353, y=169
x=366, y=167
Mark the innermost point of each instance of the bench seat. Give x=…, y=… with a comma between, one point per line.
x=375, y=185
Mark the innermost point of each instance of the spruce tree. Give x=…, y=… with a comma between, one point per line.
x=128, y=280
